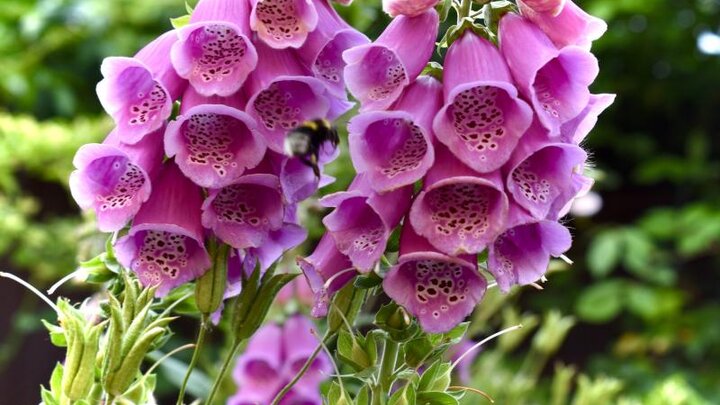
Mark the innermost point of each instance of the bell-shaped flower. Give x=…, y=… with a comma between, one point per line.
x=298, y=290
x=363, y=220
x=459, y=211
x=327, y=271
x=324, y=47
x=114, y=179
x=283, y=96
x=243, y=213
x=213, y=142
x=521, y=255
x=377, y=73
x=575, y=130
x=565, y=23
x=299, y=343
x=283, y=23
x=259, y=370
x=298, y=179
x=439, y=290
x=138, y=92
x=394, y=148
x=464, y=368
x=544, y=175
x=483, y=117
x=213, y=52
x=554, y=80
x=165, y=244
x=410, y=8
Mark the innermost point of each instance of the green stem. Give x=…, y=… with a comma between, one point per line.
x=196, y=355
x=465, y=9
x=226, y=364
x=387, y=367
x=299, y=375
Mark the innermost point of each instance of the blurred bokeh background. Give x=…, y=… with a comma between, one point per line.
x=636, y=319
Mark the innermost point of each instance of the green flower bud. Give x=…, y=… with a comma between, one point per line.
x=210, y=288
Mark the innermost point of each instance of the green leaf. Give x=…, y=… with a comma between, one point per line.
x=57, y=334
x=348, y=301
x=604, y=253
x=601, y=302
x=56, y=378
x=254, y=306
x=180, y=22
x=456, y=334
x=363, y=397
x=436, y=398
x=444, y=10
x=405, y=396
x=393, y=319
x=435, y=378
x=47, y=397
x=417, y=351
x=368, y=281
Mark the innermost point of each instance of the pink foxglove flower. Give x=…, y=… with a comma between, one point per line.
x=439, y=290
x=363, y=220
x=394, y=148
x=459, y=211
x=483, y=118
x=578, y=128
x=283, y=23
x=214, y=52
x=377, y=73
x=138, y=92
x=550, y=7
x=410, y=8
x=566, y=25
x=165, y=245
x=554, y=80
x=114, y=179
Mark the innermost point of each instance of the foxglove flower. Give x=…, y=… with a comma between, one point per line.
x=394, y=148
x=545, y=175
x=377, y=73
x=554, y=80
x=459, y=212
x=484, y=118
x=578, y=128
x=327, y=271
x=283, y=96
x=464, y=368
x=165, y=244
x=299, y=290
x=363, y=220
x=283, y=23
x=213, y=52
x=565, y=23
x=324, y=47
x=521, y=255
x=258, y=370
x=297, y=178
x=243, y=213
x=410, y=8
x=439, y=290
x=114, y=179
x=213, y=143
x=138, y=92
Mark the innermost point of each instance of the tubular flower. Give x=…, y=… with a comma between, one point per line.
x=114, y=179
x=363, y=220
x=165, y=246
x=377, y=73
x=213, y=144
x=550, y=7
x=554, y=80
x=566, y=23
x=439, y=290
x=213, y=52
x=578, y=128
x=458, y=211
x=410, y=8
x=483, y=118
x=283, y=23
x=394, y=148
x=138, y=92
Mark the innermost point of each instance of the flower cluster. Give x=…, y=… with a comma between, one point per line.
x=201, y=114
x=493, y=150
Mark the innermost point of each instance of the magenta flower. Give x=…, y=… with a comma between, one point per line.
x=165, y=244
x=344, y=2
x=283, y=96
x=114, y=179
x=566, y=25
x=213, y=144
x=554, y=80
x=214, y=53
x=363, y=220
x=550, y=7
x=324, y=47
x=394, y=148
x=299, y=290
x=377, y=73
x=138, y=92
x=544, y=174
x=464, y=368
x=578, y=128
x=410, y=8
x=459, y=211
x=243, y=213
x=521, y=255
x=298, y=180
x=483, y=118
x=327, y=270
x=437, y=289
x=283, y=23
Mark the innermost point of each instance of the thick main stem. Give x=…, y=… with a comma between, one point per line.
x=223, y=371
x=387, y=368
x=196, y=355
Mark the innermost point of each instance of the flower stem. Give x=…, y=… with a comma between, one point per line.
x=226, y=364
x=465, y=9
x=300, y=373
x=387, y=368
x=195, y=357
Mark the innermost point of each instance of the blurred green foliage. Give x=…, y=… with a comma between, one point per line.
x=643, y=292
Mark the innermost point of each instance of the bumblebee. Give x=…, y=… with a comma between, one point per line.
x=306, y=141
